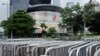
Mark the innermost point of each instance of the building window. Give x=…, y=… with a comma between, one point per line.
x=33, y=2
x=14, y=1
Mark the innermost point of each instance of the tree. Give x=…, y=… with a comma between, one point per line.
x=19, y=24
x=94, y=27
x=76, y=16
x=88, y=12
x=71, y=17
x=52, y=31
x=87, y=15
x=43, y=26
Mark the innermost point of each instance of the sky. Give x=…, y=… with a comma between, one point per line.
x=98, y=0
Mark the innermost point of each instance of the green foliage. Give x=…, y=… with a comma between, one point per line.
x=43, y=26
x=94, y=26
x=75, y=15
x=88, y=12
x=72, y=17
x=51, y=31
x=19, y=24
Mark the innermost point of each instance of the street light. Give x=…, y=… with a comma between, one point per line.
x=84, y=22
x=84, y=28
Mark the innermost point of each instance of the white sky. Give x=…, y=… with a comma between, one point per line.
x=98, y=0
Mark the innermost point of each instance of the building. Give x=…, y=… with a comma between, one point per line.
x=47, y=12
x=4, y=9
x=8, y=7
x=16, y=5
x=43, y=11
x=34, y=2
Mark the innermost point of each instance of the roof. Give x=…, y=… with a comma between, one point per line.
x=44, y=7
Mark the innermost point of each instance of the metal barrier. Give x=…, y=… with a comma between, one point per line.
x=98, y=47
x=42, y=47
x=81, y=51
x=75, y=46
x=73, y=52
x=97, y=53
x=73, y=49
x=38, y=45
x=94, y=38
x=61, y=50
x=93, y=48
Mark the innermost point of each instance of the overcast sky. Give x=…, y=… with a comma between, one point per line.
x=98, y=0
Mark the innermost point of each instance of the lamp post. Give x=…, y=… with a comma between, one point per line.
x=84, y=22
x=8, y=6
x=84, y=28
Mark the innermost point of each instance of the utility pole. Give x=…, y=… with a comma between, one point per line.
x=84, y=29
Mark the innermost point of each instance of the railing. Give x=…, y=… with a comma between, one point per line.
x=97, y=53
x=43, y=47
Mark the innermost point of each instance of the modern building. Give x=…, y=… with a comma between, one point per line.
x=4, y=9
x=43, y=11
x=16, y=5
x=34, y=2
x=40, y=10
x=8, y=7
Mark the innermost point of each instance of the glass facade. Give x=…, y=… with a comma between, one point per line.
x=18, y=5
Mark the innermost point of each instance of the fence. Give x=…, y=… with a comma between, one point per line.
x=44, y=47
